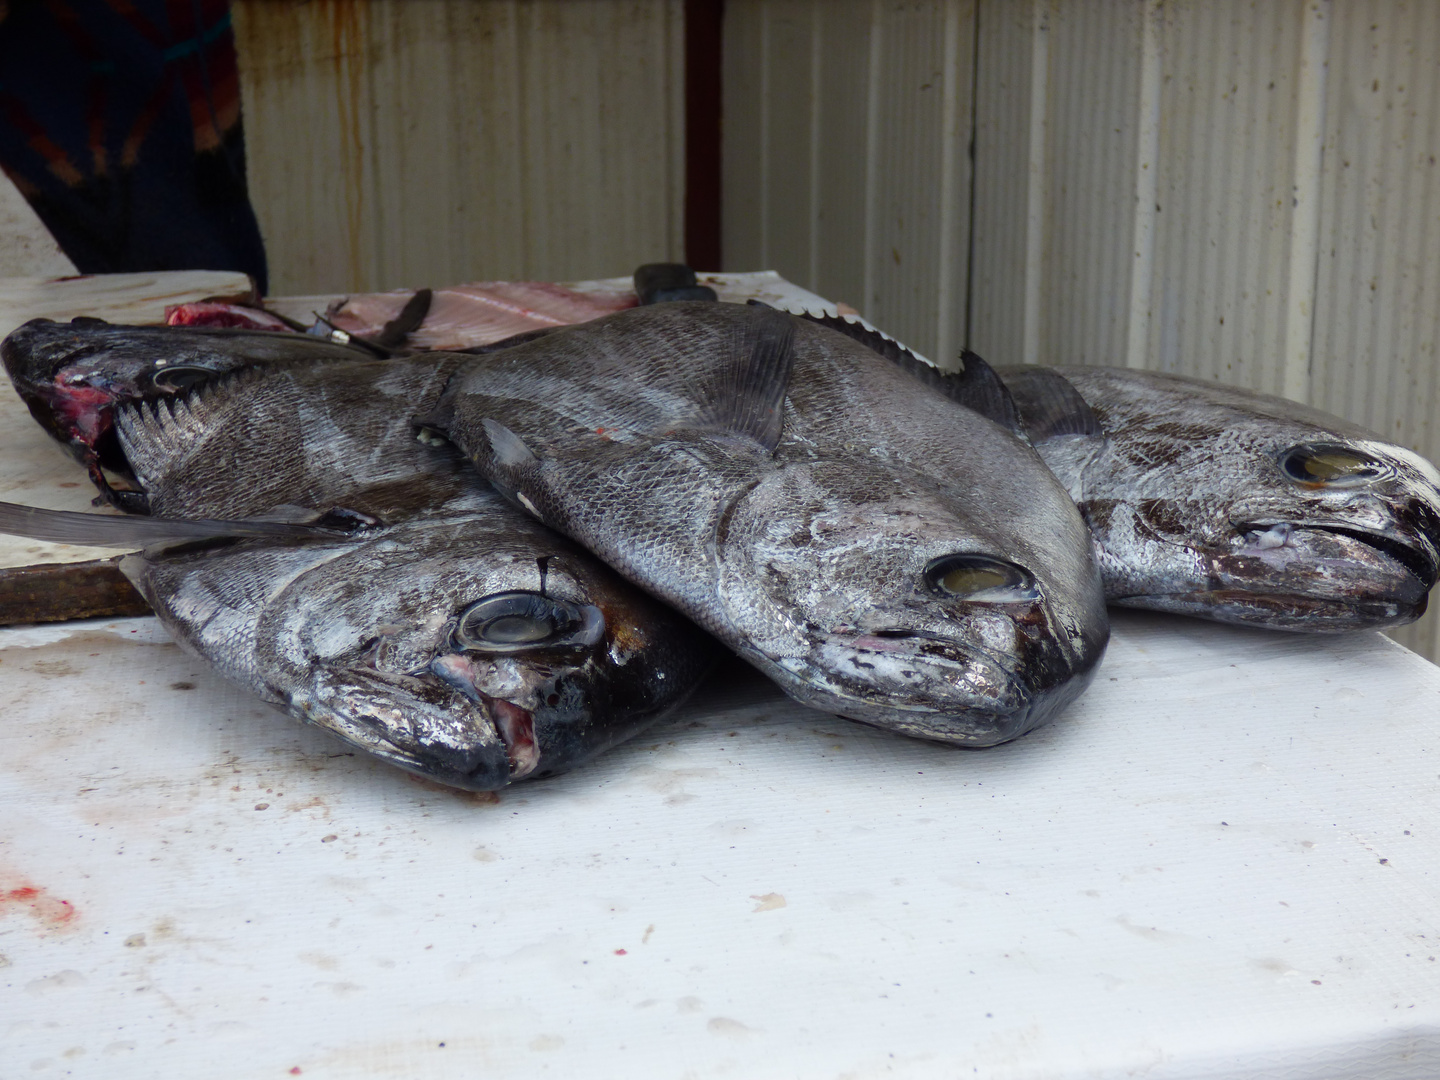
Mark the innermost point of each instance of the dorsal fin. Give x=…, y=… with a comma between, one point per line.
x=1049, y=404
x=857, y=329
x=745, y=394
x=976, y=386
x=509, y=342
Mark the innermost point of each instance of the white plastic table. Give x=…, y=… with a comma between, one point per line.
x=1223, y=861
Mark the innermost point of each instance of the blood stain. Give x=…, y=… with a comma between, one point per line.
x=51, y=913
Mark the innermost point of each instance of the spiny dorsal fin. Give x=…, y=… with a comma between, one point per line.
x=1049, y=404
x=103, y=530
x=509, y=342
x=857, y=329
x=746, y=395
x=976, y=386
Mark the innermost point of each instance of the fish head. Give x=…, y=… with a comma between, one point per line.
x=73, y=375
x=1269, y=513
x=75, y=372
x=1351, y=525
x=889, y=598
x=473, y=651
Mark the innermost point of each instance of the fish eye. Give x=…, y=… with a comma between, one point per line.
x=1333, y=466
x=181, y=377
x=980, y=579
x=514, y=621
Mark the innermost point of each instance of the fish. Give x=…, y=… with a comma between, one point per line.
x=1212, y=501
x=1236, y=506
x=805, y=501
x=73, y=375
x=374, y=586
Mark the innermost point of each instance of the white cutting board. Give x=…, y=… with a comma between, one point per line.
x=1224, y=861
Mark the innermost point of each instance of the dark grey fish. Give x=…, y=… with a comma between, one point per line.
x=448, y=633
x=807, y=502
x=1236, y=506
x=1216, y=502
x=73, y=375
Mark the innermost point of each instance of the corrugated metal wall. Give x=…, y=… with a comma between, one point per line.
x=538, y=139
x=846, y=154
x=1244, y=190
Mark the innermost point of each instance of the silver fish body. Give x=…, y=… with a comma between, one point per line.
x=1236, y=506
x=865, y=559
x=450, y=635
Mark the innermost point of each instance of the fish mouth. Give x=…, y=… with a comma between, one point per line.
x=516, y=727
x=930, y=687
x=514, y=724
x=1414, y=555
x=1316, y=577
x=1422, y=562
x=418, y=722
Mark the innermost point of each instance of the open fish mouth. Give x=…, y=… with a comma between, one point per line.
x=516, y=727
x=1313, y=578
x=1384, y=557
x=513, y=724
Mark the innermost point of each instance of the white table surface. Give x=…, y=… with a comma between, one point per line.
x=1224, y=861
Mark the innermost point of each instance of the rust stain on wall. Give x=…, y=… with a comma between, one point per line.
x=393, y=144
x=347, y=23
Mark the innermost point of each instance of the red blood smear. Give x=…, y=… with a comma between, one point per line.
x=517, y=728
x=620, y=952
x=51, y=913
x=85, y=409
x=211, y=313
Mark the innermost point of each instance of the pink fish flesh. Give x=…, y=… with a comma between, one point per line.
x=215, y=313
x=480, y=313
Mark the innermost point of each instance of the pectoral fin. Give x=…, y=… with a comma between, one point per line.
x=103, y=530
x=745, y=394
